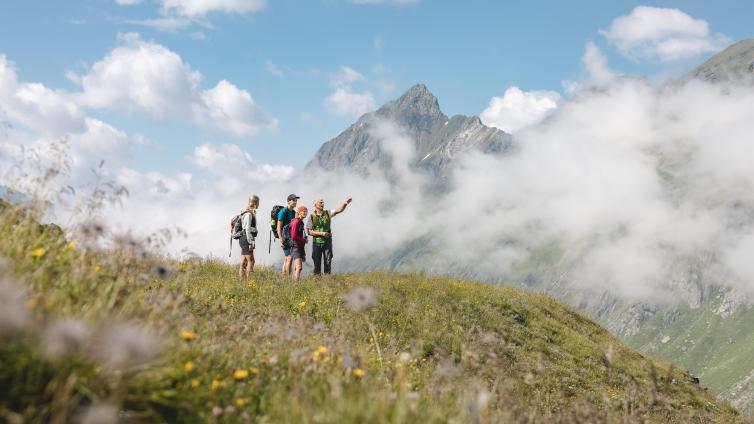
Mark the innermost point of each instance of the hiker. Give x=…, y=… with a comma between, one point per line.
x=285, y=216
x=298, y=241
x=318, y=226
x=248, y=235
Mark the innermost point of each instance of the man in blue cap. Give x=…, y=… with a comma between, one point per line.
x=285, y=216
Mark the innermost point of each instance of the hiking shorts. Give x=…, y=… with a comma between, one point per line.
x=286, y=251
x=299, y=253
x=246, y=247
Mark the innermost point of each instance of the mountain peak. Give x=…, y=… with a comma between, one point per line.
x=417, y=108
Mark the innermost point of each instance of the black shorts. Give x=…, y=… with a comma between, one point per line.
x=246, y=248
x=298, y=252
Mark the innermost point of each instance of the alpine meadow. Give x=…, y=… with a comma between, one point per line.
x=329, y=212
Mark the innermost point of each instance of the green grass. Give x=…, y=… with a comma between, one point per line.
x=269, y=349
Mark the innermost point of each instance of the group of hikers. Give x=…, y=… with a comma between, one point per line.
x=292, y=226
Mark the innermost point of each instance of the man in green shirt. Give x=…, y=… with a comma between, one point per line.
x=318, y=227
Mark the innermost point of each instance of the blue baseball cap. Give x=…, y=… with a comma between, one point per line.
x=292, y=196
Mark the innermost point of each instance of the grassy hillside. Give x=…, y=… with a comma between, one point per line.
x=719, y=349
x=125, y=335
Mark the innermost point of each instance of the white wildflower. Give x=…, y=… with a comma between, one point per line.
x=13, y=314
x=124, y=345
x=99, y=413
x=361, y=298
x=63, y=337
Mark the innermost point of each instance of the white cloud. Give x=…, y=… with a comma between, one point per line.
x=345, y=77
x=596, y=64
x=518, y=109
x=662, y=34
x=233, y=110
x=37, y=107
x=144, y=77
x=128, y=2
x=199, y=8
x=344, y=102
x=147, y=78
x=169, y=23
x=273, y=69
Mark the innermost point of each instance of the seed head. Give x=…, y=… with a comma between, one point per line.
x=361, y=298
x=63, y=337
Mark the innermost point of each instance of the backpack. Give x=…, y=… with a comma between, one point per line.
x=274, y=219
x=236, y=228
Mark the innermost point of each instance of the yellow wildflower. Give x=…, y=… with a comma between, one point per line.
x=322, y=349
x=301, y=304
x=240, y=374
x=38, y=252
x=254, y=370
x=188, y=366
x=97, y=268
x=216, y=384
x=195, y=383
x=358, y=372
x=71, y=245
x=241, y=402
x=187, y=335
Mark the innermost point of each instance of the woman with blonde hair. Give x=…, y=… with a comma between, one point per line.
x=248, y=235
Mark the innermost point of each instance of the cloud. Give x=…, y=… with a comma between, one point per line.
x=146, y=78
x=273, y=69
x=596, y=65
x=128, y=2
x=35, y=106
x=662, y=34
x=518, y=109
x=170, y=23
x=233, y=110
x=199, y=8
x=142, y=77
x=345, y=101
x=345, y=77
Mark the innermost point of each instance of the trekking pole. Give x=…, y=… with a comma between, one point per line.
x=269, y=246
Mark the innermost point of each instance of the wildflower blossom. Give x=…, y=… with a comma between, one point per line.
x=302, y=304
x=71, y=245
x=188, y=366
x=187, y=335
x=38, y=252
x=13, y=314
x=254, y=370
x=358, y=372
x=63, y=337
x=216, y=384
x=125, y=345
x=361, y=298
x=241, y=402
x=217, y=411
x=101, y=413
x=240, y=374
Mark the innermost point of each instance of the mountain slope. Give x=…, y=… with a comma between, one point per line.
x=376, y=347
x=437, y=139
x=734, y=63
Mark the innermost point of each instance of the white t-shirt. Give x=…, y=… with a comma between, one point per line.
x=246, y=224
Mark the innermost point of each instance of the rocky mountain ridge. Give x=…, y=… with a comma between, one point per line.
x=438, y=139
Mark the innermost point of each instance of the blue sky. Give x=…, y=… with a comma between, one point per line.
x=287, y=54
